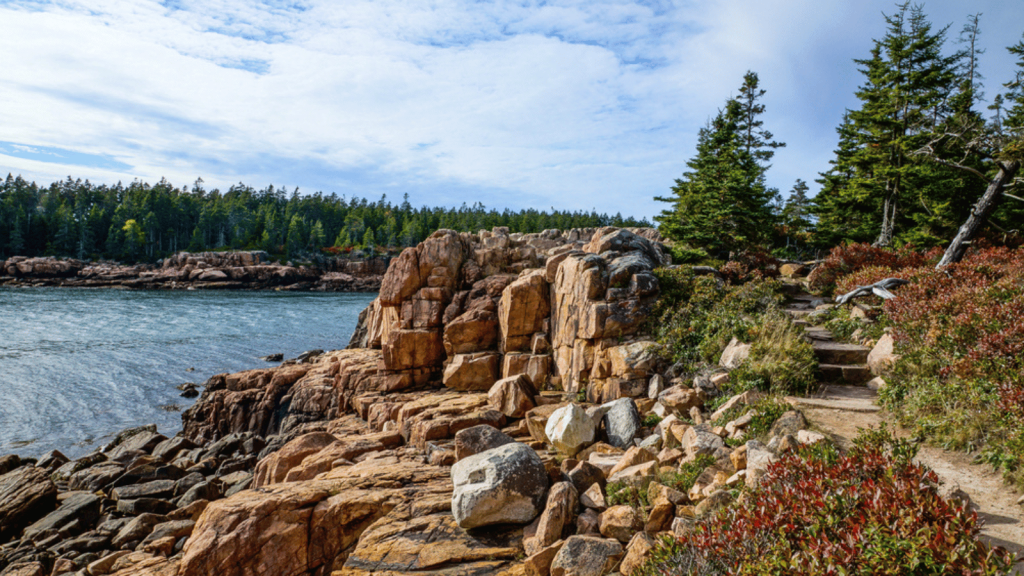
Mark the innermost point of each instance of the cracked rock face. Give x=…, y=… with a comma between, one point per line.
x=504, y=485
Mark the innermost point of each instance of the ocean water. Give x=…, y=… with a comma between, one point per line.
x=78, y=365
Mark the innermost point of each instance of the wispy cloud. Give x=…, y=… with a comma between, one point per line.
x=568, y=103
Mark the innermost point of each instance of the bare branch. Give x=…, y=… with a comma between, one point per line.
x=930, y=153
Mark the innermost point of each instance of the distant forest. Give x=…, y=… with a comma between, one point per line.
x=143, y=222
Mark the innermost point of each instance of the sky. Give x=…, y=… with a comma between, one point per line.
x=576, y=105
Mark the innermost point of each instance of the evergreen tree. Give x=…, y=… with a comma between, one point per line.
x=722, y=203
x=294, y=243
x=316, y=237
x=1015, y=91
x=368, y=241
x=876, y=181
x=16, y=244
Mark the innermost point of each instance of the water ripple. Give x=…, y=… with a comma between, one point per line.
x=78, y=365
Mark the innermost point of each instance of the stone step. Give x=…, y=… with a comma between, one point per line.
x=817, y=334
x=829, y=352
x=850, y=373
x=808, y=298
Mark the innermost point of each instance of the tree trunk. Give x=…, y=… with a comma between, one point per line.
x=979, y=215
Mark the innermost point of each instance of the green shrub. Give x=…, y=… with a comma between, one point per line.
x=781, y=360
x=686, y=476
x=619, y=493
x=695, y=316
x=651, y=420
x=682, y=254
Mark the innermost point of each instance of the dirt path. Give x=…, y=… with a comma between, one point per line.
x=841, y=410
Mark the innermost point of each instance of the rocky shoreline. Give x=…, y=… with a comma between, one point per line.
x=198, y=271
x=493, y=391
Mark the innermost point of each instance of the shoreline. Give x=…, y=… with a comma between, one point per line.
x=244, y=270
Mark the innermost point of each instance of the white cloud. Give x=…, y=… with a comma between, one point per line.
x=571, y=104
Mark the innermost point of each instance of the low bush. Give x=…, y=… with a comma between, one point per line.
x=960, y=334
x=871, y=511
x=850, y=258
x=696, y=316
x=781, y=359
x=750, y=265
x=766, y=411
x=619, y=493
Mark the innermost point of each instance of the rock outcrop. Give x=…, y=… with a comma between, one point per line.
x=491, y=367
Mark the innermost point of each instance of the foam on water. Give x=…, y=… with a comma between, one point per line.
x=78, y=365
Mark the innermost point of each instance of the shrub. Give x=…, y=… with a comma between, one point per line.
x=818, y=512
x=651, y=420
x=682, y=254
x=766, y=411
x=781, y=360
x=749, y=265
x=619, y=493
x=687, y=475
x=960, y=332
x=696, y=316
x=850, y=258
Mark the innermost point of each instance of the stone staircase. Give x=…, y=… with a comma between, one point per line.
x=837, y=362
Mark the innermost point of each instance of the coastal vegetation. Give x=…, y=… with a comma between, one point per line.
x=140, y=222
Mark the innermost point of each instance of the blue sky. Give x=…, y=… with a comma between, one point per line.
x=575, y=105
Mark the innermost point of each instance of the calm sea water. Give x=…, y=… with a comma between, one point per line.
x=78, y=365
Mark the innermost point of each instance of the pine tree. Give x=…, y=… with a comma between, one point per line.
x=722, y=203
x=316, y=236
x=1015, y=91
x=876, y=181
x=368, y=240
x=797, y=210
x=16, y=244
x=294, y=243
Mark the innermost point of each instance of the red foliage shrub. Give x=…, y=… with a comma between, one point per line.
x=850, y=258
x=749, y=265
x=969, y=317
x=872, y=511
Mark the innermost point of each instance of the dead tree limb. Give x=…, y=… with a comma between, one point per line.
x=980, y=213
x=881, y=289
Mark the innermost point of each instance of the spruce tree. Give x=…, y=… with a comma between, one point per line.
x=877, y=181
x=1015, y=91
x=722, y=203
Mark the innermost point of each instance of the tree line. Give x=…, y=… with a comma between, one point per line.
x=143, y=222
x=913, y=161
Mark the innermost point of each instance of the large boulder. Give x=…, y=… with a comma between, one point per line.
x=569, y=429
x=735, y=354
x=500, y=486
x=83, y=507
x=586, y=556
x=622, y=422
x=26, y=495
x=472, y=372
x=473, y=331
x=524, y=306
x=275, y=467
x=513, y=396
x=477, y=439
x=408, y=349
x=881, y=358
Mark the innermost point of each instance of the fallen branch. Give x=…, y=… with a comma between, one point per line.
x=880, y=289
